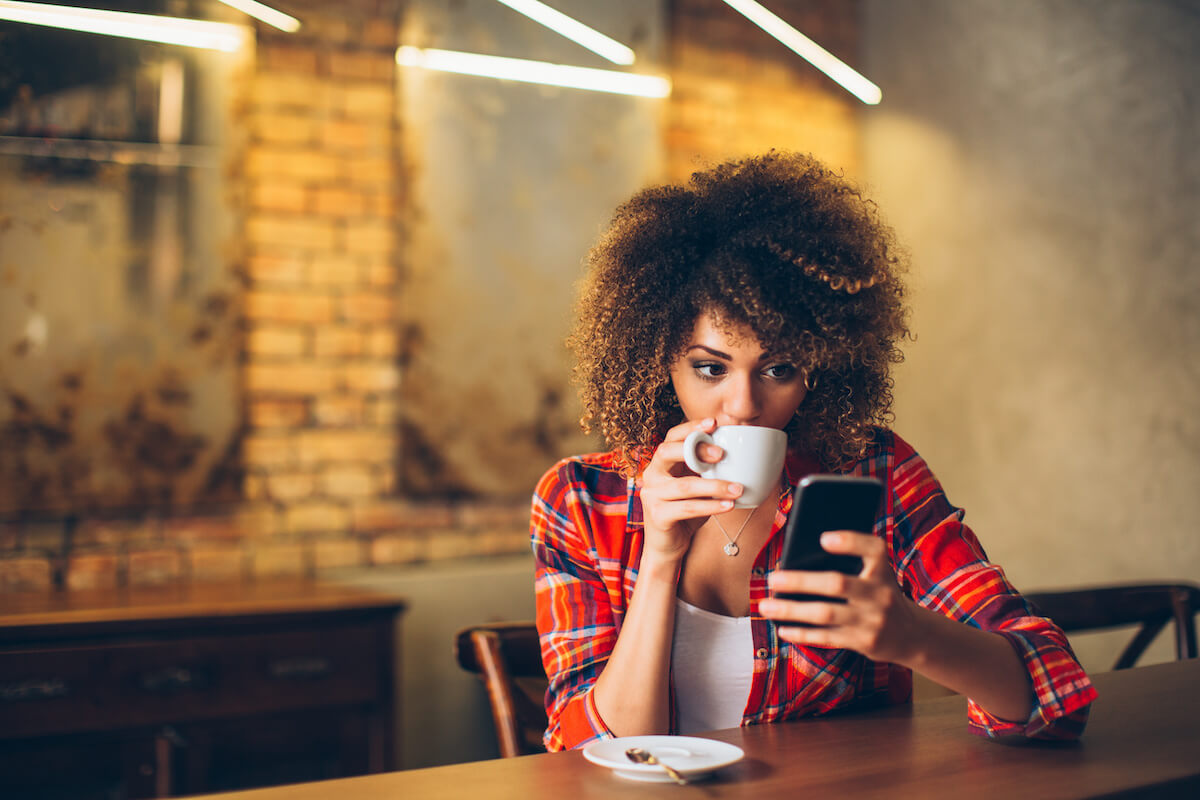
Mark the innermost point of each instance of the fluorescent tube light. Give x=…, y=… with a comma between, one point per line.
x=809, y=50
x=519, y=69
x=572, y=29
x=265, y=14
x=148, y=27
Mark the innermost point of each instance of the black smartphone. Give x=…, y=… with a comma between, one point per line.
x=827, y=503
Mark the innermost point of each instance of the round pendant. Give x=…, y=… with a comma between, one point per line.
x=731, y=549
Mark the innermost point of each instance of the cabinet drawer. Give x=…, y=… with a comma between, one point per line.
x=147, y=682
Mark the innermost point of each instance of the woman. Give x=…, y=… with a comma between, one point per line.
x=765, y=292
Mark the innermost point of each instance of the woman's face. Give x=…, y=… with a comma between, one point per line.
x=730, y=377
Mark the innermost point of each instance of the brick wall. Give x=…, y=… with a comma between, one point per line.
x=323, y=193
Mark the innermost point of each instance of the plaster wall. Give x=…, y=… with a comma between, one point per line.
x=1039, y=161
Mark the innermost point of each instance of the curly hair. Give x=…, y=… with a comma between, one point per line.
x=778, y=244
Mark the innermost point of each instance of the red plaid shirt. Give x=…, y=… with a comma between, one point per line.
x=587, y=544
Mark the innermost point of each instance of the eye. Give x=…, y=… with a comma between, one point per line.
x=780, y=372
x=709, y=370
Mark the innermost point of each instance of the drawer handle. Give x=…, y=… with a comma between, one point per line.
x=301, y=668
x=33, y=689
x=171, y=680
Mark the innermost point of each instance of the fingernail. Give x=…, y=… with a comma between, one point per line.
x=726, y=504
x=830, y=538
x=736, y=489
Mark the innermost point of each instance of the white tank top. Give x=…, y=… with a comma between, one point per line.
x=712, y=663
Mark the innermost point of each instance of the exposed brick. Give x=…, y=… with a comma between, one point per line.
x=382, y=342
x=288, y=487
x=352, y=135
x=282, y=58
x=278, y=195
x=368, y=100
x=270, y=451
x=258, y=521
x=281, y=560
x=95, y=533
x=330, y=341
x=494, y=515
x=276, y=269
x=282, y=90
x=155, y=567
x=452, y=543
x=195, y=530
x=315, y=516
x=371, y=377
x=347, y=481
x=368, y=66
x=382, y=273
x=278, y=413
x=338, y=202
x=335, y=270
x=381, y=33
x=368, y=307
x=299, y=378
x=281, y=128
x=301, y=164
x=94, y=571
x=370, y=174
x=26, y=573
x=370, y=237
x=339, y=410
x=399, y=548
x=397, y=515
x=339, y=552
x=217, y=562
x=340, y=446
x=276, y=340
x=292, y=232
x=383, y=411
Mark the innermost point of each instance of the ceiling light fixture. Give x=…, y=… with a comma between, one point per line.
x=572, y=29
x=809, y=50
x=148, y=27
x=519, y=69
x=264, y=13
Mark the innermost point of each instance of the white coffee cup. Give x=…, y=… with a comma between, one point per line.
x=753, y=457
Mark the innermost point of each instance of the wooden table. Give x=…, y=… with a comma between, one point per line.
x=185, y=689
x=1143, y=740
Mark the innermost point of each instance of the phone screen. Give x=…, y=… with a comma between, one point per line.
x=828, y=503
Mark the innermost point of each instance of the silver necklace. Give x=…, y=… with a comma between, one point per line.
x=731, y=548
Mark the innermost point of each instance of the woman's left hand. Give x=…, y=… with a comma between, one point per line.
x=876, y=619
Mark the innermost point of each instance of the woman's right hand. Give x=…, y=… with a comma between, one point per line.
x=673, y=496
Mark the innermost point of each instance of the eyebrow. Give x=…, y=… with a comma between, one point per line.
x=719, y=354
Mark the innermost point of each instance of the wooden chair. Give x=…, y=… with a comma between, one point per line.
x=507, y=658
x=1150, y=606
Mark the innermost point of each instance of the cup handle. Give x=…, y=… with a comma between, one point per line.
x=691, y=457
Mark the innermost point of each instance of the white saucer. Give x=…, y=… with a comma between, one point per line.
x=691, y=756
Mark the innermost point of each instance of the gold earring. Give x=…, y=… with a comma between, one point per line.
x=810, y=382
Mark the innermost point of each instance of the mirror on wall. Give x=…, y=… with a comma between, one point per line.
x=509, y=184
x=117, y=304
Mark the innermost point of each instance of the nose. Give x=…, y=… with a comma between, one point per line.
x=741, y=403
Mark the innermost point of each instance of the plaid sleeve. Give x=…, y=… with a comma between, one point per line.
x=574, y=615
x=943, y=567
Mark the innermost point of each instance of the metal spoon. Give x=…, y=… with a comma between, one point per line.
x=640, y=756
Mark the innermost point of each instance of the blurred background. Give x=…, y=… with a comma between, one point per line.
x=295, y=307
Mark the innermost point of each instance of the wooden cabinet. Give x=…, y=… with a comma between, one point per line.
x=200, y=689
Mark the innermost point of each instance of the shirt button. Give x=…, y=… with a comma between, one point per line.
x=761, y=654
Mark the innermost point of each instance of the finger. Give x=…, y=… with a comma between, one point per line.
x=687, y=488
x=681, y=431
x=811, y=612
x=798, y=581
x=871, y=549
x=831, y=638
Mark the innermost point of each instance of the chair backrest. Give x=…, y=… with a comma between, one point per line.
x=1150, y=606
x=508, y=659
